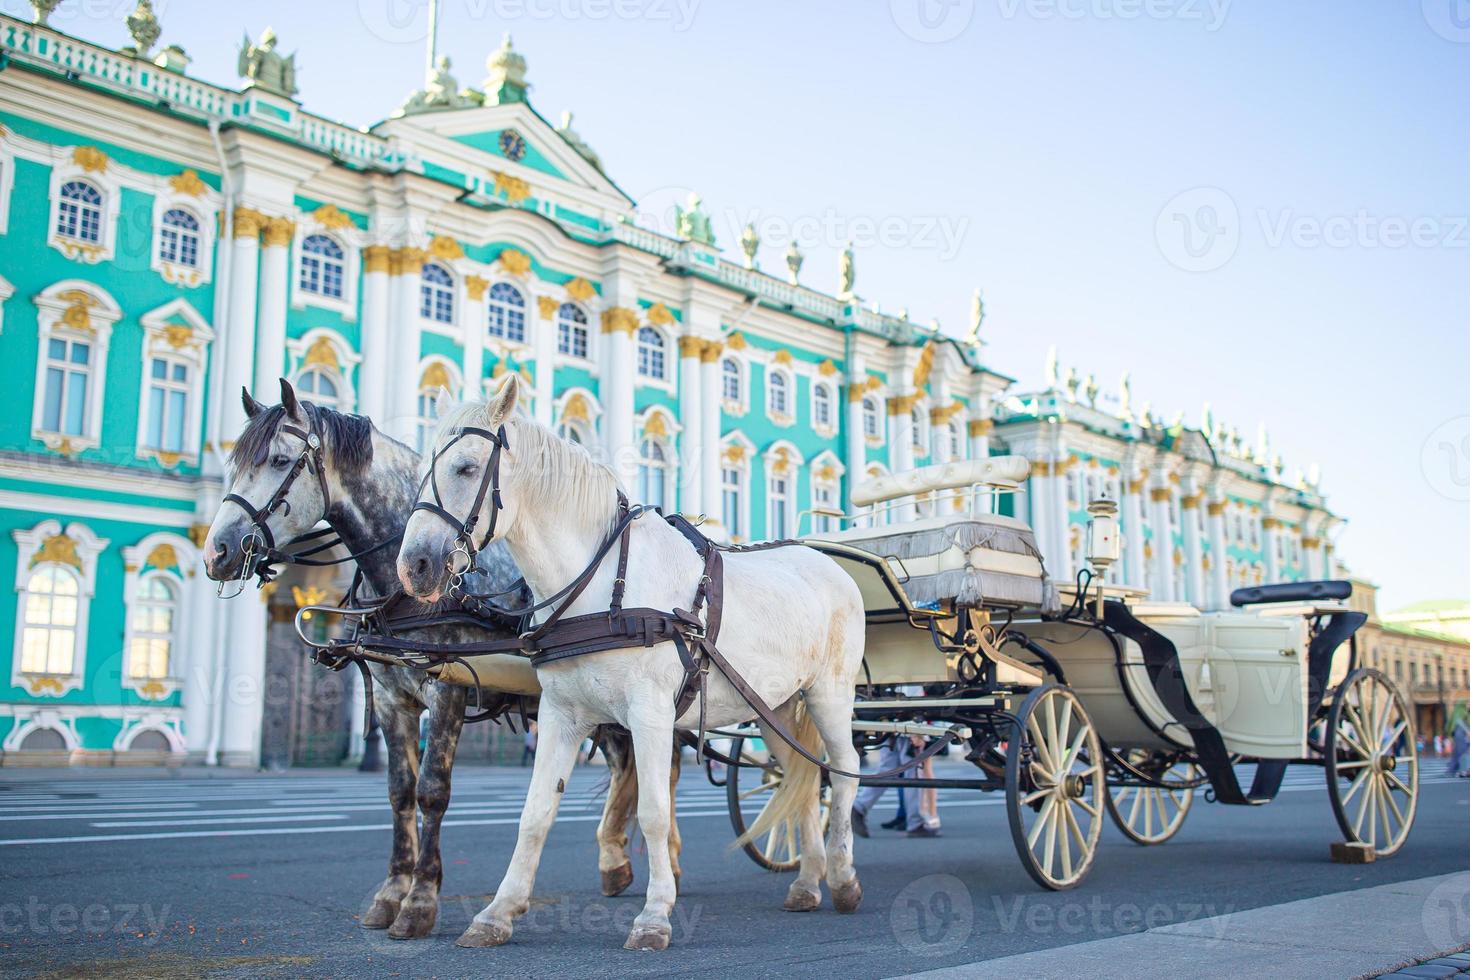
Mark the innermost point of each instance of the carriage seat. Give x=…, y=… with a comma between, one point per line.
x=975, y=559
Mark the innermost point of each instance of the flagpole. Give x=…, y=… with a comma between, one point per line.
x=433, y=37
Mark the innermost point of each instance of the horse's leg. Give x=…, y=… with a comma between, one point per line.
x=830, y=708
x=805, y=892
x=653, y=730
x=558, y=741
x=676, y=842
x=400, y=723
x=622, y=801
x=420, y=909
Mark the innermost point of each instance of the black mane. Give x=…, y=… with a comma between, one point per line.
x=348, y=439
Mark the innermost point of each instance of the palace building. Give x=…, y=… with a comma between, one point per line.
x=165, y=241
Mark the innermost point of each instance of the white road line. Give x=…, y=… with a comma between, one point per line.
x=230, y=820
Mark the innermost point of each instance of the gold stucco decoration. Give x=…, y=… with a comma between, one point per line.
x=475, y=286
x=656, y=427
x=619, y=319
x=548, y=306
x=435, y=376
x=277, y=232
x=783, y=356
x=576, y=409
x=515, y=189
x=925, y=365
x=980, y=427
x=78, y=312
x=376, y=258
x=187, y=182
x=406, y=261
x=659, y=315
x=580, y=290
x=90, y=159
x=827, y=368
x=38, y=685
x=781, y=461
x=248, y=222
x=59, y=549
x=734, y=453
x=162, y=556
x=711, y=351
x=445, y=248
x=736, y=341
x=515, y=262
x=323, y=353
x=331, y=216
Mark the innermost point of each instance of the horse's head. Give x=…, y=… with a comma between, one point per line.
x=280, y=484
x=469, y=496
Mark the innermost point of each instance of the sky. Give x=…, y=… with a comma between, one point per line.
x=1260, y=205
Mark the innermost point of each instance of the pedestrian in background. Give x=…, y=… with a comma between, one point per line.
x=528, y=747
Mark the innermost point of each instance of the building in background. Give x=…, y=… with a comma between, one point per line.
x=167, y=241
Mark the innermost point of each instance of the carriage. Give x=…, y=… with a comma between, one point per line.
x=1088, y=697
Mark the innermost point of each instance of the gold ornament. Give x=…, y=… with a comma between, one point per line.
x=162, y=556
x=322, y=353
x=659, y=315
x=248, y=222
x=59, y=549
x=475, y=286
x=188, y=182
x=445, y=248
x=435, y=376
x=376, y=258
x=548, y=306
x=515, y=262
x=90, y=159
x=619, y=319
x=580, y=290
x=576, y=409
x=515, y=189
x=331, y=216
x=277, y=232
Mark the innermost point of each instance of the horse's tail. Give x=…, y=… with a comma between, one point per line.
x=800, y=781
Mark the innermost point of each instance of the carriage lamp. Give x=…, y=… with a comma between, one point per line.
x=1103, y=546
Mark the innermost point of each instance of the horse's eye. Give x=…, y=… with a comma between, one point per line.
x=280, y=461
x=467, y=468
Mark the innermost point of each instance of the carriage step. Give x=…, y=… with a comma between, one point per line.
x=912, y=728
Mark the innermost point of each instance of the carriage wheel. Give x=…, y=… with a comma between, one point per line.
x=1055, y=787
x=779, y=850
x=1372, y=762
x=1153, y=814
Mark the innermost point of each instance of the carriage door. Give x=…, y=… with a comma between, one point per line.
x=1258, y=675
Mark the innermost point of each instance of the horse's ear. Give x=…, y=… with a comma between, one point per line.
x=289, y=402
x=503, y=402
x=252, y=407
x=443, y=402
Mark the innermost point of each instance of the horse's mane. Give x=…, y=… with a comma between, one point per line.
x=348, y=439
x=553, y=466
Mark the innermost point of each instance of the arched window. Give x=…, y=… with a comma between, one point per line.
x=49, y=634
x=653, y=470
x=571, y=330
x=436, y=294
x=731, y=387
x=732, y=506
x=778, y=394
x=178, y=238
x=507, y=310
x=68, y=376
x=651, y=361
x=169, y=386
x=321, y=387
x=322, y=266
x=574, y=432
x=920, y=424
x=822, y=407
x=872, y=419
x=152, y=646
x=956, y=447
x=79, y=214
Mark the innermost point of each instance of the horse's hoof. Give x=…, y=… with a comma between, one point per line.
x=649, y=938
x=801, y=901
x=381, y=915
x=414, y=923
x=616, y=881
x=846, y=898
x=479, y=935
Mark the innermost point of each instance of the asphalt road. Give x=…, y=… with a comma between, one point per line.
x=155, y=874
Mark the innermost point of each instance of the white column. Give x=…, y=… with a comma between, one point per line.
x=618, y=327
x=197, y=689
x=710, y=406
x=1194, y=572
x=1134, y=559
x=901, y=449
x=1038, y=496
x=239, y=339
x=270, y=315
x=978, y=430
x=1312, y=553
x=1163, y=563
x=243, y=660
x=1271, y=540
x=543, y=343
x=372, y=389
x=856, y=441
x=401, y=418
x=473, y=326
x=1219, y=551
x=692, y=446
x=1061, y=566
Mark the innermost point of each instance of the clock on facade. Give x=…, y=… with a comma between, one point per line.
x=512, y=144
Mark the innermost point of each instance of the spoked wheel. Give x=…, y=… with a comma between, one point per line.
x=1055, y=787
x=748, y=792
x=1372, y=762
x=1153, y=814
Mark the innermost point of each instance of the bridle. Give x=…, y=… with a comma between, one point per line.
x=258, y=544
x=462, y=558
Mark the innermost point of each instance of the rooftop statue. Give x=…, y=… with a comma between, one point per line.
x=750, y=243
x=846, y=271
x=144, y=28
x=440, y=91
x=977, y=317
x=693, y=224
x=265, y=68
x=577, y=143
x=794, y=259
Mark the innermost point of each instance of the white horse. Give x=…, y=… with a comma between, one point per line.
x=793, y=628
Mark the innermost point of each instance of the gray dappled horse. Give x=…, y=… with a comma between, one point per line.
x=365, y=489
